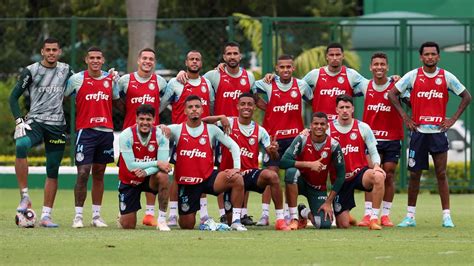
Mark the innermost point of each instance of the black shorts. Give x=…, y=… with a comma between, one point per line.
x=422, y=144
x=94, y=146
x=129, y=195
x=389, y=150
x=189, y=195
x=250, y=183
x=283, y=145
x=345, y=198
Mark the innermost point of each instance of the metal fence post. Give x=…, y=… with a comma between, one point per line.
x=230, y=28
x=73, y=98
x=470, y=108
x=403, y=70
x=267, y=45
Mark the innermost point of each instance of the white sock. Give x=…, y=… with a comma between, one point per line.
x=244, y=212
x=287, y=210
x=203, y=210
x=375, y=213
x=446, y=213
x=221, y=212
x=95, y=210
x=305, y=212
x=411, y=211
x=293, y=212
x=173, y=208
x=279, y=214
x=161, y=216
x=265, y=209
x=79, y=211
x=46, y=212
x=386, y=206
x=150, y=210
x=368, y=208
x=24, y=192
x=236, y=214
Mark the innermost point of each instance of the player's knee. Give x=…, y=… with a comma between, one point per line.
x=441, y=174
x=127, y=224
x=326, y=224
x=162, y=178
x=184, y=224
x=291, y=175
x=23, y=145
x=269, y=177
x=320, y=223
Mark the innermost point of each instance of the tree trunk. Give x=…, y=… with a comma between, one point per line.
x=141, y=33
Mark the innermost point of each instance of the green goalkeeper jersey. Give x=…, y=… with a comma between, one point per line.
x=45, y=88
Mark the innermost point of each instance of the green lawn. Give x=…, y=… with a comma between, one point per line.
x=426, y=244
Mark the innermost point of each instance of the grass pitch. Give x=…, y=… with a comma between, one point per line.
x=427, y=244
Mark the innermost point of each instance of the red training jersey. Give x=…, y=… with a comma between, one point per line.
x=283, y=114
x=94, y=103
x=141, y=93
x=202, y=90
x=194, y=157
x=429, y=98
x=248, y=149
x=228, y=92
x=142, y=153
x=326, y=90
x=380, y=115
x=315, y=179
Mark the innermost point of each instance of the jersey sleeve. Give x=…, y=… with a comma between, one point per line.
x=161, y=84
x=337, y=161
x=226, y=141
x=356, y=80
x=263, y=137
x=251, y=80
x=264, y=88
x=168, y=95
x=123, y=84
x=311, y=77
x=306, y=91
x=288, y=159
x=214, y=77
x=74, y=83
x=406, y=82
x=453, y=83
x=370, y=142
x=24, y=82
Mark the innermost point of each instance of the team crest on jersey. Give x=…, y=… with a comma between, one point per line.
x=202, y=141
x=203, y=89
x=294, y=94
x=340, y=80
x=106, y=84
x=79, y=156
x=151, y=148
x=185, y=207
x=385, y=96
x=438, y=81
x=60, y=74
x=243, y=82
x=251, y=141
x=411, y=162
x=324, y=154
x=151, y=86
x=353, y=136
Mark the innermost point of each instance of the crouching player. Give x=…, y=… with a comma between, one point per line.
x=143, y=166
x=308, y=161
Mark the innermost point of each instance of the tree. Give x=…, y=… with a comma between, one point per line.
x=141, y=16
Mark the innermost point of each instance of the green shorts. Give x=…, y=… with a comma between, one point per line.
x=315, y=198
x=54, y=136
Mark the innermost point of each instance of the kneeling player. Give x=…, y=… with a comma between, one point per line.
x=308, y=161
x=143, y=167
x=248, y=135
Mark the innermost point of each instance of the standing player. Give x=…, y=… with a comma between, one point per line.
x=176, y=94
x=143, y=166
x=248, y=135
x=377, y=111
x=45, y=82
x=194, y=171
x=308, y=161
x=283, y=115
x=428, y=87
x=94, y=90
x=332, y=80
x=355, y=137
x=143, y=87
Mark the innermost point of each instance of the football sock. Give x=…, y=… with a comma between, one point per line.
x=244, y=212
x=150, y=210
x=446, y=213
x=411, y=211
x=236, y=214
x=279, y=214
x=161, y=216
x=375, y=214
x=286, y=210
x=386, y=206
x=203, y=209
x=265, y=209
x=24, y=192
x=294, y=213
x=46, y=212
x=173, y=208
x=95, y=210
x=79, y=211
x=305, y=212
x=368, y=208
x=221, y=212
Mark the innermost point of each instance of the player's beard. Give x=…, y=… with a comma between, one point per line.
x=193, y=71
x=233, y=63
